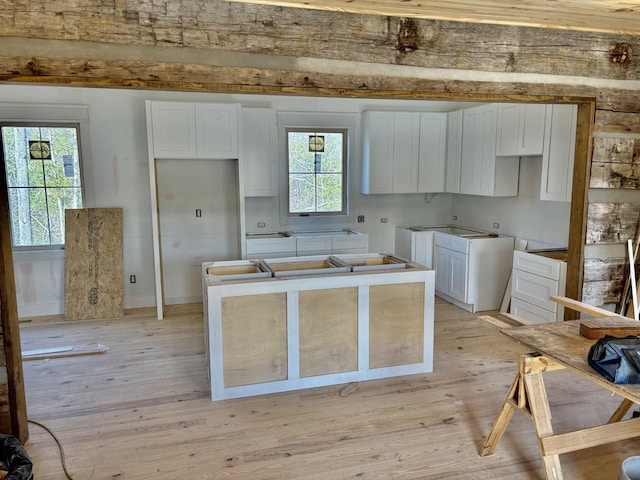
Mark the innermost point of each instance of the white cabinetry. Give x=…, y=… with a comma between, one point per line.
x=482, y=172
x=301, y=244
x=270, y=247
x=416, y=246
x=259, y=152
x=454, y=151
x=520, y=129
x=558, y=156
x=194, y=130
x=472, y=273
x=390, y=152
x=433, y=148
x=535, y=278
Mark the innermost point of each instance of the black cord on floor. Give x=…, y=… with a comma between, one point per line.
x=62, y=457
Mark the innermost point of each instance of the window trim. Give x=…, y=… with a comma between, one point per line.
x=56, y=115
x=345, y=166
x=315, y=121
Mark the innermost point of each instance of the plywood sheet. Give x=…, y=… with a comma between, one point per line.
x=328, y=331
x=396, y=324
x=254, y=339
x=93, y=263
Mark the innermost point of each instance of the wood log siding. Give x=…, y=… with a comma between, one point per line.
x=616, y=163
x=185, y=45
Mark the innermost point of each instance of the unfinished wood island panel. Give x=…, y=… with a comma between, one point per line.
x=328, y=331
x=315, y=321
x=392, y=342
x=245, y=319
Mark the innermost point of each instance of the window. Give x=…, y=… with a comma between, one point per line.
x=43, y=179
x=316, y=171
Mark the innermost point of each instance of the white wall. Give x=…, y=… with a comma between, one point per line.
x=120, y=178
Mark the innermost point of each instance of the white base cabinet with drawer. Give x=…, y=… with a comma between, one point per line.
x=472, y=273
x=534, y=279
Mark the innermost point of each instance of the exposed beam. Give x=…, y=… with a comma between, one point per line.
x=612, y=16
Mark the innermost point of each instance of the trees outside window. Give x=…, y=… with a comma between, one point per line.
x=316, y=171
x=43, y=178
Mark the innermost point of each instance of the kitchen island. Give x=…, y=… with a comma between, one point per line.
x=283, y=324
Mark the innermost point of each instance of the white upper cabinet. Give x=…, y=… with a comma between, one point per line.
x=520, y=129
x=217, y=130
x=559, y=151
x=194, y=130
x=390, y=152
x=433, y=149
x=482, y=172
x=454, y=151
x=259, y=152
x=174, y=129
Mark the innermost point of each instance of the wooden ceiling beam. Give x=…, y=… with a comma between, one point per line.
x=611, y=16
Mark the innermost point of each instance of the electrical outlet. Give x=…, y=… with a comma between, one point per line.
x=360, y=218
x=261, y=224
x=198, y=212
x=455, y=217
x=496, y=225
x=384, y=220
x=132, y=279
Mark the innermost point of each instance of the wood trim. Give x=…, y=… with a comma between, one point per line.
x=579, y=203
x=9, y=320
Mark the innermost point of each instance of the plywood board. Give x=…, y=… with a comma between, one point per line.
x=254, y=339
x=328, y=331
x=396, y=324
x=93, y=263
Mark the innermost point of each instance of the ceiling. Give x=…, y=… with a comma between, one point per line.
x=612, y=16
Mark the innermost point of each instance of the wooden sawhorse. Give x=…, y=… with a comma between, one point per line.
x=528, y=395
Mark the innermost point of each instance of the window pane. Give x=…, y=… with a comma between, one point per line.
x=302, y=193
x=64, y=167
x=58, y=200
x=29, y=221
x=329, y=196
x=301, y=160
x=332, y=156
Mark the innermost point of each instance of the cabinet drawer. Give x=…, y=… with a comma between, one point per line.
x=459, y=244
x=528, y=311
x=313, y=244
x=537, y=264
x=442, y=239
x=534, y=289
x=349, y=242
x=271, y=245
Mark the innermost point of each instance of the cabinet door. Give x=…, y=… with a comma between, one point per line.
x=406, y=141
x=378, y=152
x=458, y=269
x=531, y=131
x=432, y=159
x=507, y=140
x=217, y=130
x=454, y=151
x=487, y=149
x=259, y=152
x=441, y=258
x=174, y=130
x=557, y=159
x=470, y=164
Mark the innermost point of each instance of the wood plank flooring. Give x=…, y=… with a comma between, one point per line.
x=141, y=411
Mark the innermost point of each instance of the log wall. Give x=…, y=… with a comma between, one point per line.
x=218, y=46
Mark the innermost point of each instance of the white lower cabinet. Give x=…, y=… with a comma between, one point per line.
x=472, y=273
x=534, y=279
x=299, y=244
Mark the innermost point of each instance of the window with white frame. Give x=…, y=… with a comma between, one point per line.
x=316, y=171
x=42, y=164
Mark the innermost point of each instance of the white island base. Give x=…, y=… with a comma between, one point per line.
x=292, y=323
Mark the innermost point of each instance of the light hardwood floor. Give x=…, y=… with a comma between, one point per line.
x=141, y=411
